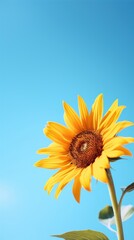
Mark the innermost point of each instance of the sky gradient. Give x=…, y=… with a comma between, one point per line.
x=52, y=51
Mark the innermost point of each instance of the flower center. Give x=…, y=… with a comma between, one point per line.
x=85, y=147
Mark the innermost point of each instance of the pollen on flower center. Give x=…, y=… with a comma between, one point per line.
x=85, y=147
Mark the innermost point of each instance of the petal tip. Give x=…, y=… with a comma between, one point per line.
x=77, y=198
x=78, y=201
x=64, y=104
x=79, y=97
x=36, y=164
x=38, y=151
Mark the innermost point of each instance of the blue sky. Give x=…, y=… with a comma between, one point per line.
x=52, y=51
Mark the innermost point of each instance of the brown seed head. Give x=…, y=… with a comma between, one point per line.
x=85, y=147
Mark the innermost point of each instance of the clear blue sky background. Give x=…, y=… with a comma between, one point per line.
x=52, y=51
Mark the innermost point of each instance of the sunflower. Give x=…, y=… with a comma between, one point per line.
x=84, y=147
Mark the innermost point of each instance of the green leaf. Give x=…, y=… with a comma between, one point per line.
x=126, y=213
x=106, y=217
x=106, y=212
x=129, y=188
x=82, y=235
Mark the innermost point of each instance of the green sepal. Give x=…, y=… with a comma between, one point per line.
x=115, y=159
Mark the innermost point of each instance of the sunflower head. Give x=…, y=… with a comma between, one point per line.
x=85, y=146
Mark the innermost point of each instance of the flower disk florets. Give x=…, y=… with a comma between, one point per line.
x=85, y=147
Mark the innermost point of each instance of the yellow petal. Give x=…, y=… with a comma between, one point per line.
x=77, y=188
x=56, y=137
x=97, y=109
x=65, y=132
x=57, y=177
x=52, y=162
x=112, y=108
x=84, y=115
x=85, y=178
x=90, y=120
x=102, y=161
x=52, y=148
x=99, y=173
x=68, y=178
x=120, y=151
x=118, y=112
x=116, y=128
x=111, y=118
x=71, y=119
x=116, y=142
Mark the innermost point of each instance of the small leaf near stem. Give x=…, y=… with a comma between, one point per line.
x=115, y=205
x=106, y=215
x=129, y=188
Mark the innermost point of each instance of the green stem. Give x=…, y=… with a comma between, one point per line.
x=115, y=205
